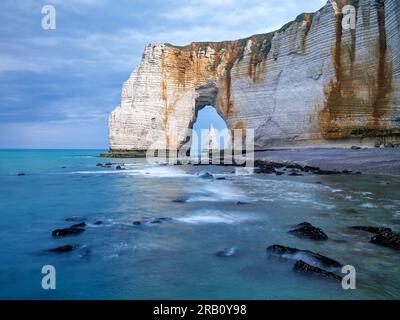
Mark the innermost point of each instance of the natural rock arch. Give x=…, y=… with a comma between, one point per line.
x=307, y=84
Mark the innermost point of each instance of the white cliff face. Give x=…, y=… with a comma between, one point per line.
x=309, y=84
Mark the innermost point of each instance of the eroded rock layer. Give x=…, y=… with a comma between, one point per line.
x=311, y=83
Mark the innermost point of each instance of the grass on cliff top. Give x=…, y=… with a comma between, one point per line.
x=260, y=38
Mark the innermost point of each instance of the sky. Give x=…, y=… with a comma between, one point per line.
x=58, y=87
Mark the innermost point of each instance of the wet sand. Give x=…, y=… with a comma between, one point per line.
x=367, y=161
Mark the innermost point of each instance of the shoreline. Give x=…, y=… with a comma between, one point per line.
x=373, y=161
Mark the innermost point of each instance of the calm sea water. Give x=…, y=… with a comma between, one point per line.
x=176, y=259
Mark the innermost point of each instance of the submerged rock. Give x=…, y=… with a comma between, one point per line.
x=295, y=174
x=160, y=220
x=99, y=222
x=19, y=174
x=79, y=225
x=119, y=168
x=75, y=219
x=351, y=210
x=312, y=258
x=228, y=252
x=305, y=268
x=371, y=229
x=66, y=248
x=151, y=221
x=72, y=230
x=306, y=230
x=388, y=239
x=179, y=200
x=206, y=175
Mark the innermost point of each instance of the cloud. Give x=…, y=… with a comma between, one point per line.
x=55, y=84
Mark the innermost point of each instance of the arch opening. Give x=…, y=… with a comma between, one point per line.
x=211, y=132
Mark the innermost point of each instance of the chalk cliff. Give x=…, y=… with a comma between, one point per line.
x=311, y=83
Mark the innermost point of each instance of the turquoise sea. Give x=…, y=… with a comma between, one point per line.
x=176, y=259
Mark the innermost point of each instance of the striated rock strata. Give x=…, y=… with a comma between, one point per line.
x=311, y=83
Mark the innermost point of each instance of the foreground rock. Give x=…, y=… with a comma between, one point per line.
x=312, y=258
x=306, y=230
x=388, y=239
x=305, y=268
x=66, y=248
x=72, y=230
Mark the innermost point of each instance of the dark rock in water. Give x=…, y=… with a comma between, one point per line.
x=388, y=239
x=241, y=203
x=355, y=148
x=66, y=248
x=310, y=257
x=319, y=182
x=350, y=210
x=371, y=229
x=206, y=175
x=311, y=169
x=179, y=200
x=108, y=164
x=75, y=219
x=73, y=230
x=119, y=168
x=151, y=221
x=67, y=232
x=303, y=267
x=279, y=173
x=21, y=174
x=99, y=222
x=306, y=230
x=159, y=220
x=99, y=164
x=79, y=225
x=264, y=167
x=63, y=167
x=326, y=172
x=294, y=166
x=221, y=178
x=295, y=174
x=229, y=252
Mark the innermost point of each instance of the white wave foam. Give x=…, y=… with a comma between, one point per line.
x=160, y=172
x=213, y=217
x=368, y=205
x=217, y=192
